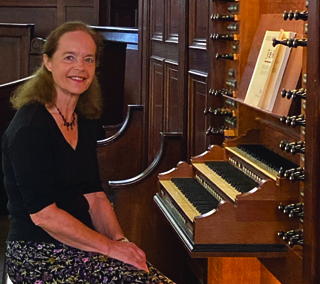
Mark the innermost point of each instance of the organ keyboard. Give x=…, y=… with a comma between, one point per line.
x=226, y=201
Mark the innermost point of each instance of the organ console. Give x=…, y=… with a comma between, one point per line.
x=215, y=202
x=224, y=202
x=208, y=202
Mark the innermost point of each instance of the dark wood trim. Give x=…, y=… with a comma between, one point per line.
x=311, y=250
x=144, y=48
x=183, y=68
x=115, y=34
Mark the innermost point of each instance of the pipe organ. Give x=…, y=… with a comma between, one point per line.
x=244, y=202
x=244, y=196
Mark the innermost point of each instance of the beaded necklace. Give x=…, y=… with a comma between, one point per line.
x=66, y=123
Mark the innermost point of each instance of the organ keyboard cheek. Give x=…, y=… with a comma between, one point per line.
x=227, y=201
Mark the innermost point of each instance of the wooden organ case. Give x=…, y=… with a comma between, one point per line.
x=262, y=225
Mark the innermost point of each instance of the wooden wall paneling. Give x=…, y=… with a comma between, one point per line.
x=125, y=18
x=132, y=79
x=35, y=55
x=157, y=20
x=32, y=3
x=198, y=70
x=84, y=10
x=112, y=83
x=198, y=24
x=44, y=17
x=84, y=14
x=172, y=22
x=198, y=60
x=60, y=12
x=114, y=64
x=163, y=42
x=105, y=13
x=48, y=14
x=173, y=99
x=120, y=156
x=156, y=105
x=124, y=13
x=167, y=50
x=198, y=122
x=96, y=4
x=15, y=40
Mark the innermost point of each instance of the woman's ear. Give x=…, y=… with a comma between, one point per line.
x=47, y=62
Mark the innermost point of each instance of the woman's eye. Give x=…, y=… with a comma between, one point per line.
x=90, y=60
x=69, y=57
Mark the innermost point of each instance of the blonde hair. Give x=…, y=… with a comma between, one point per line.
x=40, y=88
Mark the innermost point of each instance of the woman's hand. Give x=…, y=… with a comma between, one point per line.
x=128, y=253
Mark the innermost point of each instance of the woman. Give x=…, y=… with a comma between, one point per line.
x=63, y=228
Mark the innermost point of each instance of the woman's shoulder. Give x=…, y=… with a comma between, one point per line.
x=27, y=118
x=33, y=113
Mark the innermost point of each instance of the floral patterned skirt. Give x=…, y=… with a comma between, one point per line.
x=41, y=263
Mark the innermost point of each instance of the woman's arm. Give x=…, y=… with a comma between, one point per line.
x=67, y=229
x=102, y=215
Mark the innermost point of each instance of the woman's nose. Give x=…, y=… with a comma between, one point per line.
x=80, y=64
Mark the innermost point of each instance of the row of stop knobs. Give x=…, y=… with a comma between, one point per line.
x=294, y=174
x=295, y=120
x=293, y=147
x=292, y=237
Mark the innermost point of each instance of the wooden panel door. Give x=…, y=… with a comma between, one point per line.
x=15, y=47
x=198, y=72
x=198, y=121
x=164, y=98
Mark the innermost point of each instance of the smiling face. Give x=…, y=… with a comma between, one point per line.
x=73, y=64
